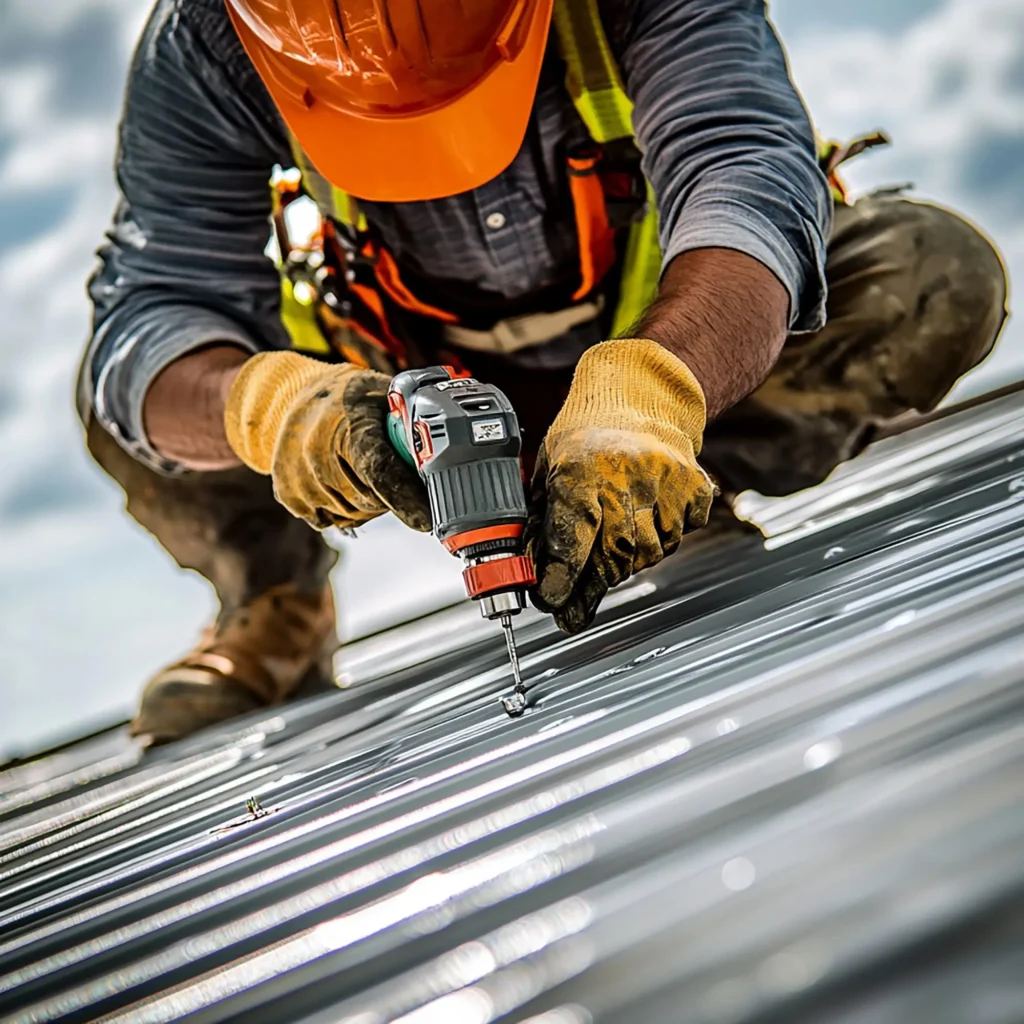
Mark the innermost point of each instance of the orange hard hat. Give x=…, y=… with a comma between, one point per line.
x=399, y=100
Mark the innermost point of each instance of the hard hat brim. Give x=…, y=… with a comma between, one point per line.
x=442, y=152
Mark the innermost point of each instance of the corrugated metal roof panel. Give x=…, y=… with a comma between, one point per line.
x=775, y=782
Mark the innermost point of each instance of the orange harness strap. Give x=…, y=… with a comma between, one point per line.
x=596, y=242
x=372, y=301
x=596, y=238
x=389, y=278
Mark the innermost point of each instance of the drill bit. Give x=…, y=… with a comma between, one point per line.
x=515, y=703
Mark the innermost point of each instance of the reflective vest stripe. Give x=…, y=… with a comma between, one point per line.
x=641, y=271
x=592, y=76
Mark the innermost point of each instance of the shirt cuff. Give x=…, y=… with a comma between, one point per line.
x=722, y=222
x=158, y=337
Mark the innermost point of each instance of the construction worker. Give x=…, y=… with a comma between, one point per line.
x=485, y=205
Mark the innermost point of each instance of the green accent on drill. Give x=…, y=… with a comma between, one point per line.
x=396, y=435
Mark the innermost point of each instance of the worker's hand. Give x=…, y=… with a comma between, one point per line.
x=319, y=430
x=617, y=482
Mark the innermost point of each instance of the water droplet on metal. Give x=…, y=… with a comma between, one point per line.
x=738, y=874
x=822, y=753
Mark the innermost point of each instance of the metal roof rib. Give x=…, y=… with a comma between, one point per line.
x=777, y=781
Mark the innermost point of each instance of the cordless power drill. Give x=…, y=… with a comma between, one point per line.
x=463, y=439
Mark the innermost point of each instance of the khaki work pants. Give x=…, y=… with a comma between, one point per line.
x=916, y=299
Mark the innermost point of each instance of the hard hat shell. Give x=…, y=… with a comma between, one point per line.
x=400, y=100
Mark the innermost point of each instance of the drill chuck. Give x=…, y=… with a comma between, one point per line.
x=463, y=438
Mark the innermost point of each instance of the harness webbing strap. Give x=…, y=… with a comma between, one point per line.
x=592, y=76
x=596, y=240
x=298, y=314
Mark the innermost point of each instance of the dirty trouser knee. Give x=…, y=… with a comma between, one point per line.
x=225, y=525
x=917, y=297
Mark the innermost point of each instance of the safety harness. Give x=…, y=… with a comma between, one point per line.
x=348, y=287
x=345, y=284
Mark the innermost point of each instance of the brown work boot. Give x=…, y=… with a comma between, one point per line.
x=256, y=656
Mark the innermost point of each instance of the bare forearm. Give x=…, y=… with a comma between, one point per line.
x=183, y=411
x=725, y=315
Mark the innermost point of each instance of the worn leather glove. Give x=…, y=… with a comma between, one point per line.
x=319, y=430
x=617, y=482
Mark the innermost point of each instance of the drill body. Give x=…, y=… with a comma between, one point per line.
x=463, y=438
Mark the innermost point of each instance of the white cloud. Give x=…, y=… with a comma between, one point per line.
x=64, y=153
x=940, y=85
x=23, y=96
x=54, y=18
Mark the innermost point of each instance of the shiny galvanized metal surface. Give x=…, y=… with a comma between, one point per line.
x=778, y=781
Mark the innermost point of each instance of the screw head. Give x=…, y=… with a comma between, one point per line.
x=514, y=704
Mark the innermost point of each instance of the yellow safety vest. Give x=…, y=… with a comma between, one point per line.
x=595, y=86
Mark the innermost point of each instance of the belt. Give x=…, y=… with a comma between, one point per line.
x=527, y=331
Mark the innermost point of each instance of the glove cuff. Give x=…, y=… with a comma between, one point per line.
x=635, y=383
x=260, y=397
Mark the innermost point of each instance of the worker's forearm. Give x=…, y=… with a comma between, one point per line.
x=183, y=412
x=725, y=315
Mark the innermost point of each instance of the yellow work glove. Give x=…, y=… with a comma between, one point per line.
x=319, y=430
x=617, y=482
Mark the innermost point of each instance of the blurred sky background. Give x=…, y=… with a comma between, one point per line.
x=89, y=604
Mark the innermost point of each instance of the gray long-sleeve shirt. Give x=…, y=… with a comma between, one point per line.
x=727, y=147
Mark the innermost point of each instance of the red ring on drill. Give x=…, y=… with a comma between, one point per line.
x=464, y=540
x=511, y=573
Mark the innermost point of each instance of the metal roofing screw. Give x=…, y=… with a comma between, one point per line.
x=254, y=807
